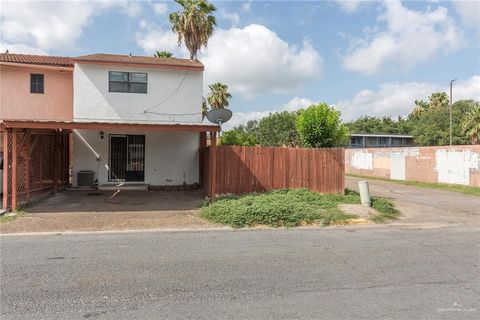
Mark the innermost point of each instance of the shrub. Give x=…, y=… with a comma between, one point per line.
x=321, y=126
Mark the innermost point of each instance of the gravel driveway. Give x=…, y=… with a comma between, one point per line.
x=423, y=205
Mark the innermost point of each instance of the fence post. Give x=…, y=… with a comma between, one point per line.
x=201, y=150
x=5, y=168
x=14, y=169
x=213, y=165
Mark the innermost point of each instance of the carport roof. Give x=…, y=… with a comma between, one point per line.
x=30, y=124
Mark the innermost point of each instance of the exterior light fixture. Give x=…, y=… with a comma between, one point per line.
x=101, y=134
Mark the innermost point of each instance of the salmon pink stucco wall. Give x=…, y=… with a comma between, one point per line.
x=17, y=103
x=442, y=164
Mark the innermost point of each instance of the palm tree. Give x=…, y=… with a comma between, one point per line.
x=420, y=108
x=204, y=108
x=438, y=100
x=193, y=24
x=471, y=124
x=218, y=96
x=163, y=54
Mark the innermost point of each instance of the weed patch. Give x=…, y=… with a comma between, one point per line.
x=278, y=208
x=386, y=210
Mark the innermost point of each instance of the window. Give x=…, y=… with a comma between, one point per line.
x=36, y=83
x=133, y=82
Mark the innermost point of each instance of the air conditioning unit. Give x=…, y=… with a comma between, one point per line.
x=85, y=179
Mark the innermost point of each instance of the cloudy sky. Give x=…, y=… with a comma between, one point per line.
x=373, y=57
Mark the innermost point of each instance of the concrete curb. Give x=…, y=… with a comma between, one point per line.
x=219, y=229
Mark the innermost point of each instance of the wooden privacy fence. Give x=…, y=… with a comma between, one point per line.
x=258, y=169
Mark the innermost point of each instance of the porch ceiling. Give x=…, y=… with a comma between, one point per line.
x=26, y=124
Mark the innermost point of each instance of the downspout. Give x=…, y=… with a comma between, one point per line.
x=97, y=156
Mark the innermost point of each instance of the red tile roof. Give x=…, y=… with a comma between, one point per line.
x=36, y=59
x=102, y=58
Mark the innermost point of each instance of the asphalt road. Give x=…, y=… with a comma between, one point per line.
x=357, y=273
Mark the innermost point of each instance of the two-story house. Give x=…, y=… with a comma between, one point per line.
x=128, y=119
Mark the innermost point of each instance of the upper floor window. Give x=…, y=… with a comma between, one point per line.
x=36, y=83
x=133, y=82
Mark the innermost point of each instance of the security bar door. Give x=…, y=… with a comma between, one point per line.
x=127, y=157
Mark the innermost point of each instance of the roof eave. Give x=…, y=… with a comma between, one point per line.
x=34, y=65
x=140, y=65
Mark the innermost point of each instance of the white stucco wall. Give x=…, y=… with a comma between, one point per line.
x=170, y=157
x=454, y=166
x=397, y=170
x=362, y=160
x=177, y=93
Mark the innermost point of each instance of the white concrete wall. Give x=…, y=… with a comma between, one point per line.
x=454, y=166
x=94, y=103
x=168, y=156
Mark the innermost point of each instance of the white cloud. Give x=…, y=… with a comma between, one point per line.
x=254, y=61
x=410, y=37
x=389, y=99
x=131, y=8
x=20, y=48
x=233, y=18
x=160, y=8
x=243, y=117
x=349, y=6
x=155, y=38
x=393, y=99
x=469, y=11
x=246, y=6
x=39, y=26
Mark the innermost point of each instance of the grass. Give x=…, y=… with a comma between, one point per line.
x=7, y=218
x=285, y=208
x=20, y=212
x=386, y=210
x=475, y=191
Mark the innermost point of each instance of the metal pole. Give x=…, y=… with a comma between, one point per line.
x=451, y=85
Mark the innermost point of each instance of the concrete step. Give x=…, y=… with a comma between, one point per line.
x=124, y=186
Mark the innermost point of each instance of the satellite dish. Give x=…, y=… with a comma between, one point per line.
x=219, y=116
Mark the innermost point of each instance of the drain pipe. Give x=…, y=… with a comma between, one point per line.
x=97, y=156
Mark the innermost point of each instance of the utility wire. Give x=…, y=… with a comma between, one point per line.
x=169, y=96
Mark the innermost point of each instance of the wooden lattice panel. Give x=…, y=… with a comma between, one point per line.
x=41, y=162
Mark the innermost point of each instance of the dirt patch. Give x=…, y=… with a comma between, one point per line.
x=90, y=221
x=84, y=211
x=357, y=209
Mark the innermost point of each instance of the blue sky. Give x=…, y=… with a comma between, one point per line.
x=373, y=57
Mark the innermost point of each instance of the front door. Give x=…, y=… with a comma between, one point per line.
x=127, y=157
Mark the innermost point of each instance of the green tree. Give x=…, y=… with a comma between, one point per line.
x=471, y=124
x=238, y=136
x=435, y=101
x=163, y=54
x=278, y=129
x=193, y=24
x=432, y=127
x=218, y=96
x=385, y=125
x=321, y=126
